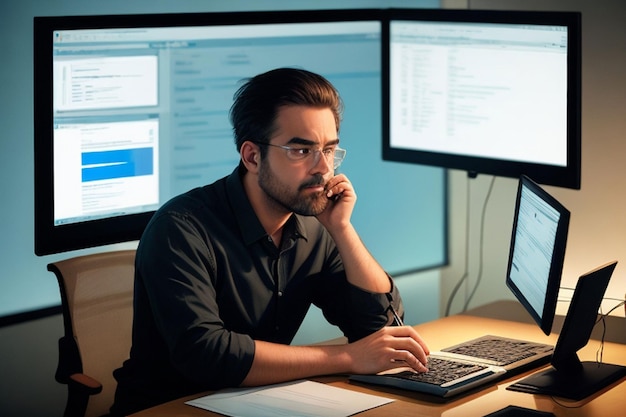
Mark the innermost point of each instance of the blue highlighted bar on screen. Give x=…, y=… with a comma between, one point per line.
x=122, y=163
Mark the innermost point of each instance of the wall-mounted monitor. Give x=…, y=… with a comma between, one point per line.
x=130, y=110
x=493, y=92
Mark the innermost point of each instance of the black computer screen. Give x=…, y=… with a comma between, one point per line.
x=537, y=252
x=494, y=92
x=131, y=110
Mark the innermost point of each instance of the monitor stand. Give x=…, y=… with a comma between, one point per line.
x=590, y=378
x=568, y=377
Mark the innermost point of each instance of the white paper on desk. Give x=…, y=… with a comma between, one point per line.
x=293, y=399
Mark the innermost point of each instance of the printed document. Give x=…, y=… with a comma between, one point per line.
x=300, y=398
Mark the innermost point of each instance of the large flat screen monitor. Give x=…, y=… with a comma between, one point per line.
x=537, y=251
x=131, y=110
x=493, y=92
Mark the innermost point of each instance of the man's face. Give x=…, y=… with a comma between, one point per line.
x=298, y=185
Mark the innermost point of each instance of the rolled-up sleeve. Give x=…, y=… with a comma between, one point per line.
x=355, y=311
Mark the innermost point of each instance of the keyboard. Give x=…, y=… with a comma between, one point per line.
x=465, y=366
x=500, y=351
x=446, y=377
x=443, y=372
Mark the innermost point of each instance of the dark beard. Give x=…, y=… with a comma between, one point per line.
x=311, y=205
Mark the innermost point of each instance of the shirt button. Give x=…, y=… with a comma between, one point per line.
x=280, y=293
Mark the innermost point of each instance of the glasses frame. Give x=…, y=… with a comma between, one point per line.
x=338, y=156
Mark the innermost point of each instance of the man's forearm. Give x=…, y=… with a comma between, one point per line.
x=274, y=363
x=379, y=351
x=362, y=270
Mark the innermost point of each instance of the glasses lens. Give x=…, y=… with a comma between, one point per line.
x=339, y=156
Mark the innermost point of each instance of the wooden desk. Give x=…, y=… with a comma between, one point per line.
x=449, y=331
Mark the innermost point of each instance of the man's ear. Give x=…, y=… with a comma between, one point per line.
x=250, y=156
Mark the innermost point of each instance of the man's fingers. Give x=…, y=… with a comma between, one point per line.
x=409, y=347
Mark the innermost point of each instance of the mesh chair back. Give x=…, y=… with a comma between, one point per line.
x=97, y=293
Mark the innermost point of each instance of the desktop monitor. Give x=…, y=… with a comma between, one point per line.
x=568, y=377
x=493, y=92
x=537, y=251
x=131, y=110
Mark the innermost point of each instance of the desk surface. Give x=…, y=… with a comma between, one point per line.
x=446, y=332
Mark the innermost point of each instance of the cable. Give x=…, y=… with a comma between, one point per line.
x=621, y=303
x=481, y=245
x=565, y=405
x=464, y=276
x=602, y=318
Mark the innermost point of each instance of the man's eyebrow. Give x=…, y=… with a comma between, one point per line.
x=301, y=141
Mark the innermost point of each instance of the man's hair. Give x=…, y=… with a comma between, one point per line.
x=257, y=102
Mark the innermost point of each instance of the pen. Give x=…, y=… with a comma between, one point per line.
x=396, y=317
x=399, y=322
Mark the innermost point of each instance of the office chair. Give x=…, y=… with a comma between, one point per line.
x=97, y=303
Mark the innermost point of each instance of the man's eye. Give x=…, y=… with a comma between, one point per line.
x=329, y=151
x=302, y=151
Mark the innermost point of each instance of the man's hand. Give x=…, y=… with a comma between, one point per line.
x=388, y=348
x=342, y=198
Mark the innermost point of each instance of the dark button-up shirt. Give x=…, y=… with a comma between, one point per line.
x=209, y=281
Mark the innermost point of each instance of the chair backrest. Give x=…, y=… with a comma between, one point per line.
x=97, y=302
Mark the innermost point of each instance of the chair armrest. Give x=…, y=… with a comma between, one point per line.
x=85, y=383
x=69, y=369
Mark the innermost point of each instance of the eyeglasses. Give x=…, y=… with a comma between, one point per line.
x=301, y=153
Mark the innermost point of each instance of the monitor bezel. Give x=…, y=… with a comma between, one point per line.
x=50, y=239
x=546, y=318
x=568, y=176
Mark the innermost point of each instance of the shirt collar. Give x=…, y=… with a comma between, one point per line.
x=249, y=224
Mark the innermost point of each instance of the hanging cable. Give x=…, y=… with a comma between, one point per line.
x=467, y=230
x=602, y=318
x=480, y=245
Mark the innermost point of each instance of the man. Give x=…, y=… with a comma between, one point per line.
x=226, y=273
